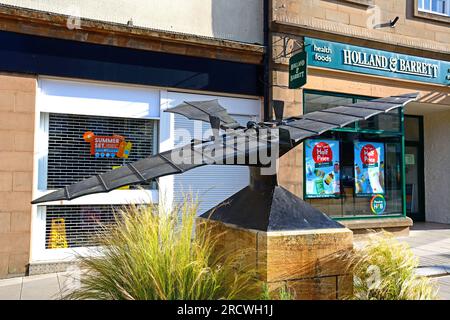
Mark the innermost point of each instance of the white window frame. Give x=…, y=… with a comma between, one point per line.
x=422, y=9
x=165, y=136
x=46, y=105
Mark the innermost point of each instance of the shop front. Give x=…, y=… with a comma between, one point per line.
x=87, y=128
x=372, y=174
x=83, y=109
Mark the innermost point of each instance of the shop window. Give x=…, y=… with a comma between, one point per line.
x=344, y=185
x=70, y=157
x=390, y=121
x=75, y=226
x=318, y=102
x=412, y=129
x=77, y=149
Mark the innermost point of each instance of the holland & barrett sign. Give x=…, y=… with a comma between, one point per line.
x=297, y=70
x=382, y=63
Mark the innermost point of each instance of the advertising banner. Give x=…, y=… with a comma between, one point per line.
x=369, y=168
x=322, y=168
x=108, y=146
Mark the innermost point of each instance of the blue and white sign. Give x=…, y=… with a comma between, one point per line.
x=369, y=168
x=322, y=168
x=345, y=57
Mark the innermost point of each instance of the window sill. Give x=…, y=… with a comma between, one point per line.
x=430, y=15
x=360, y=2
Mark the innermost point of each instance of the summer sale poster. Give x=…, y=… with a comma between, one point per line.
x=322, y=168
x=369, y=168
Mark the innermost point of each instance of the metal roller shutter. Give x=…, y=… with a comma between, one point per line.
x=212, y=184
x=69, y=159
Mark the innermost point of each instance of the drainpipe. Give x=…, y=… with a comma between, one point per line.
x=267, y=58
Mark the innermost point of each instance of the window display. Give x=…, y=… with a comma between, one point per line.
x=370, y=182
x=322, y=168
x=369, y=168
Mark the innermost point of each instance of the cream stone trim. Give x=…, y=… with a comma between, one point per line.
x=359, y=32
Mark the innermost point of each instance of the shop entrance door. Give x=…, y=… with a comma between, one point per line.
x=414, y=168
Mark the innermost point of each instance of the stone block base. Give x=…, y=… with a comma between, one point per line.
x=363, y=227
x=306, y=261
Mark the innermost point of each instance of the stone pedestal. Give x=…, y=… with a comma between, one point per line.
x=286, y=240
x=307, y=261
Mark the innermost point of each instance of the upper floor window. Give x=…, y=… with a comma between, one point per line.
x=441, y=7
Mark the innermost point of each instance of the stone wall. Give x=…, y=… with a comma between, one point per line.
x=437, y=157
x=309, y=262
x=224, y=19
x=17, y=116
x=347, y=18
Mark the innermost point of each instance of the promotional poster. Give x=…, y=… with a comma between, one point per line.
x=322, y=168
x=108, y=146
x=369, y=168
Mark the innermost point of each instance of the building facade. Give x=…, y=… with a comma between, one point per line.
x=83, y=89
x=358, y=50
x=72, y=71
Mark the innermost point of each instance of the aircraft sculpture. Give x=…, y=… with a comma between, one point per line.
x=263, y=205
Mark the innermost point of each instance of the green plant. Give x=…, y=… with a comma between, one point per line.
x=151, y=253
x=384, y=269
x=284, y=293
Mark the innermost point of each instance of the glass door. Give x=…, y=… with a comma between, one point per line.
x=414, y=168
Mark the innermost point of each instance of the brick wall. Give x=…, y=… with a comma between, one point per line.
x=349, y=19
x=17, y=111
x=291, y=164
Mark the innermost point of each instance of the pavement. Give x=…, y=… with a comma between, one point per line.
x=429, y=241
x=443, y=284
x=41, y=287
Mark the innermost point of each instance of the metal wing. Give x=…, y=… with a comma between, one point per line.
x=240, y=144
x=318, y=122
x=176, y=161
x=204, y=111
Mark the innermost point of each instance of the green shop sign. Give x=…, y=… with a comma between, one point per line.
x=297, y=70
x=345, y=57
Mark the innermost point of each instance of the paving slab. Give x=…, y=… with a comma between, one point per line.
x=10, y=289
x=444, y=287
x=431, y=243
x=42, y=287
x=68, y=282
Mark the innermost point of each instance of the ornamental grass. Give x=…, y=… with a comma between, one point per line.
x=152, y=254
x=384, y=269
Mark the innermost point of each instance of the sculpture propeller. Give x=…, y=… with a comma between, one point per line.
x=246, y=144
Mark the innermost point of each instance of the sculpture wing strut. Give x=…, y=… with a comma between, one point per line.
x=227, y=148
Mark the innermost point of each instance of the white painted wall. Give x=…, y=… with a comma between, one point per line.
x=437, y=160
x=240, y=20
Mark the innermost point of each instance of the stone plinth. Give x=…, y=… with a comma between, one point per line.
x=306, y=261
